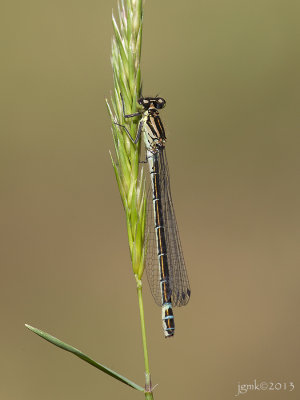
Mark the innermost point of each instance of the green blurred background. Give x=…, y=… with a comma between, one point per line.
x=230, y=72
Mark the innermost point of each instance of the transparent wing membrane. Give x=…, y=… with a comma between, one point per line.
x=178, y=288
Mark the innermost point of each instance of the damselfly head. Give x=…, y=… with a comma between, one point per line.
x=153, y=102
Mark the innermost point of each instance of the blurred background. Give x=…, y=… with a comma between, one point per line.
x=230, y=72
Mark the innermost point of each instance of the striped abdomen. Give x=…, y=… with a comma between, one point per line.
x=167, y=310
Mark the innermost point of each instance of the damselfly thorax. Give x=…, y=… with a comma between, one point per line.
x=154, y=133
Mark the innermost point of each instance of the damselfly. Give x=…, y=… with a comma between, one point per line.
x=165, y=264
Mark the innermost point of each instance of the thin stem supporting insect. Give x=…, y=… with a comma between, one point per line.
x=143, y=327
x=126, y=56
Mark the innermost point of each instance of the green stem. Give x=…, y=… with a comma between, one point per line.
x=148, y=386
x=142, y=317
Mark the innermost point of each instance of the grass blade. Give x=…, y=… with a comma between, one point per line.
x=84, y=357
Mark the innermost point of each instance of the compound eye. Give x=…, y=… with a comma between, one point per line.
x=144, y=102
x=160, y=102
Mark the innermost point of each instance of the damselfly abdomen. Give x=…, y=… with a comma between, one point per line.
x=165, y=264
